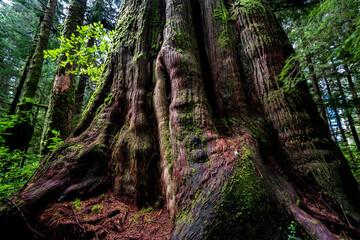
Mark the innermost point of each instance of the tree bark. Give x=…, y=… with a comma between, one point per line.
x=60, y=111
x=22, y=132
x=190, y=107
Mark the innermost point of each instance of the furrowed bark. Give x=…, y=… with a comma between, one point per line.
x=306, y=147
x=190, y=108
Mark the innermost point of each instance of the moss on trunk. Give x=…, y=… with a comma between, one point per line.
x=60, y=111
x=22, y=132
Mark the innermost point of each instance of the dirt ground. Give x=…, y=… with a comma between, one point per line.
x=104, y=217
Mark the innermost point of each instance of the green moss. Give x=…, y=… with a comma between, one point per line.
x=180, y=39
x=249, y=5
x=245, y=206
x=77, y=204
x=109, y=99
x=168, y=147
x=222, y=15
x=97, y=209
x=138, y=56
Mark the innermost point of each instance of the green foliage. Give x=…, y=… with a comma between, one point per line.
x=149, y=209
x=76, y=50
x=336, y=22
x=290, y=74
x=352, y=43
x=19, y=24
x=222, y=15
x=134, y=219
x=292, y=234
x=6, y=123
x=248, y=4
x=54, y=141
x=77, y=204
x=97, y=209
x=12, y=174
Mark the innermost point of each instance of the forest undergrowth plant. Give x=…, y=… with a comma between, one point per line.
x=13, y=172
x=77, y=204
x=292, y=234
x=97, y=209
x=54, y=141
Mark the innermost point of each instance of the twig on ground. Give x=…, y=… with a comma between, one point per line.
x=77, y=220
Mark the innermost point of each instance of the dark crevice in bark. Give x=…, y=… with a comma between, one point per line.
x=208, y=82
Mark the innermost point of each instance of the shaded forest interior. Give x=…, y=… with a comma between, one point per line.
x=182, y=119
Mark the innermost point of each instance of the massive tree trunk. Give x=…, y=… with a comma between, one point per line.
x=190, y=107
x=60, y=111
x=23, y=130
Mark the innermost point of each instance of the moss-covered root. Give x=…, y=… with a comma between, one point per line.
x=237, y=203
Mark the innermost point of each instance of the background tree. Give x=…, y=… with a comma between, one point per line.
x=19, y=25
x=22, y=132
x=59, y=115
x=326, y=31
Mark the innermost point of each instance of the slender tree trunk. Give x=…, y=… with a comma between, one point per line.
x=348, y=114
x=353, y=91
x=190, y=107
x=79, y=95
x=336, y=112
x=338, y=121
x=23, y=130
x=60, y=111
x=316, y=88
x=20, y=86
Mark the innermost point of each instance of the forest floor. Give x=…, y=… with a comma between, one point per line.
x=104, y=217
